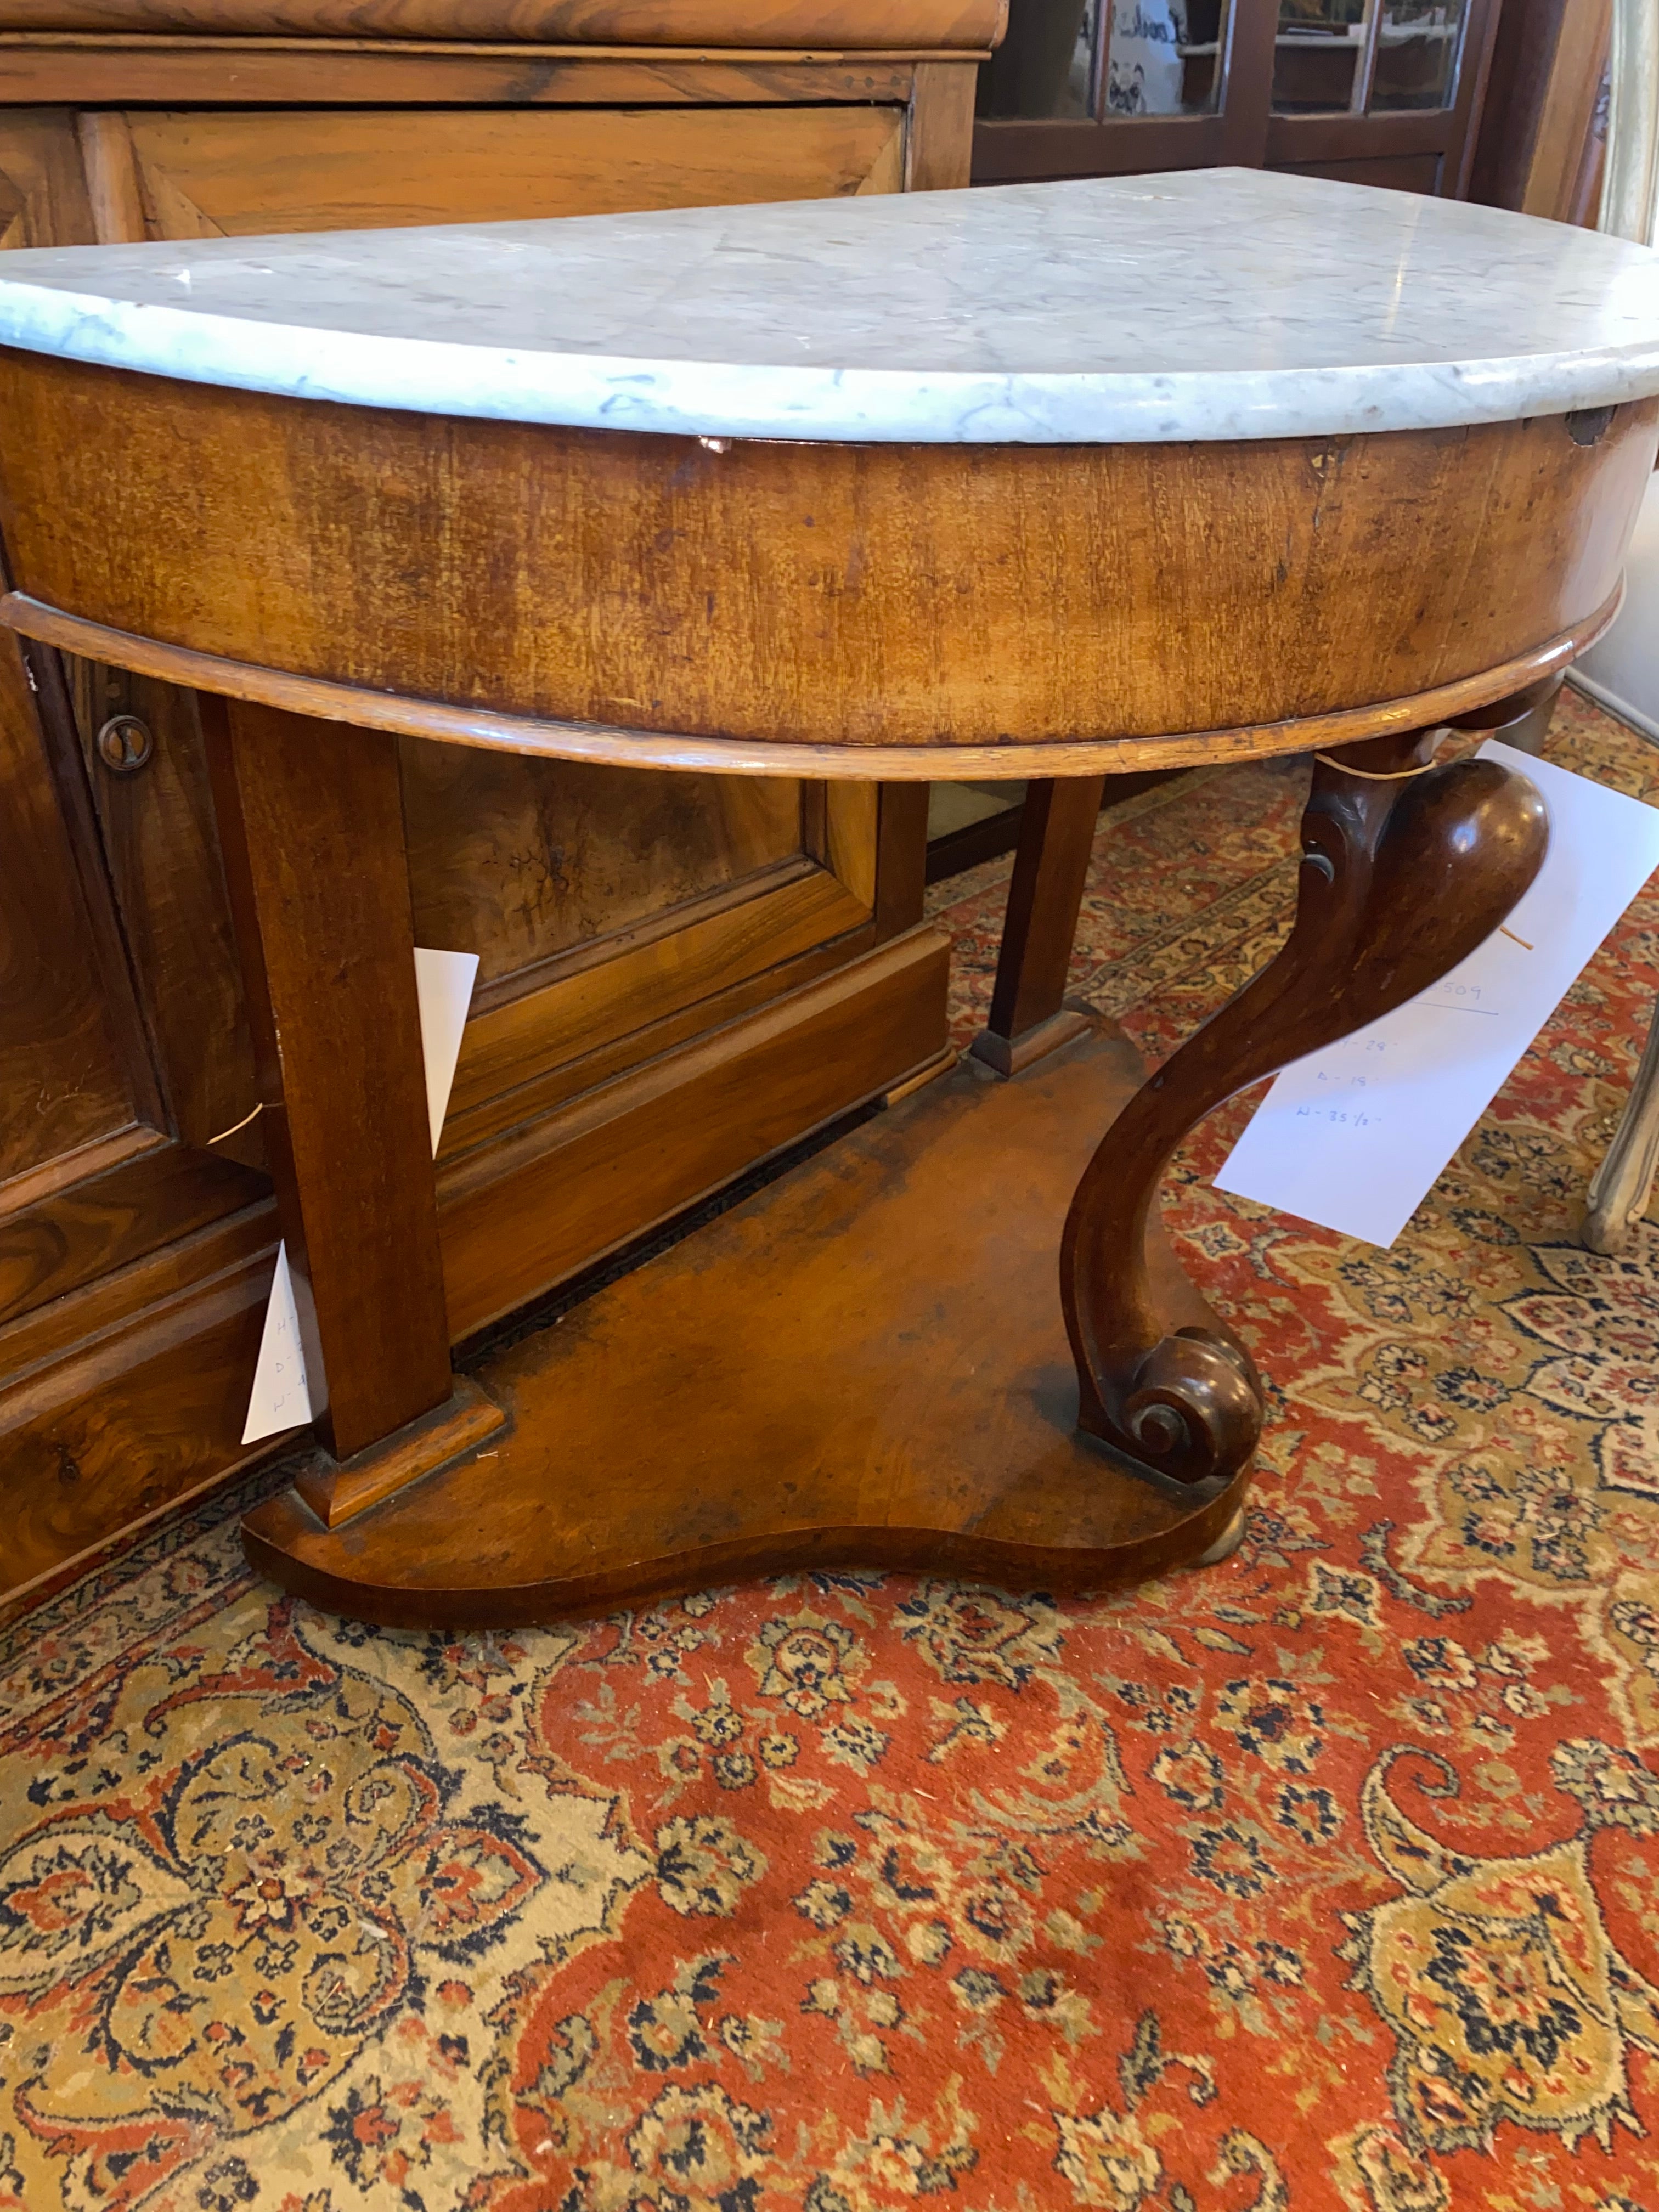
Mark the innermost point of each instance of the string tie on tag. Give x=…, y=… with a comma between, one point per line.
x=235, y=1126
x=1376, y=776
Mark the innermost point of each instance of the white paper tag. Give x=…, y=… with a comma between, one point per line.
x=443, y=985
x=1353, y=1137
x=281, y=1397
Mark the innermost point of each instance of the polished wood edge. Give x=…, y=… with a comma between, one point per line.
x=274, y=1538
x=919, y=1077
x=170, y=42
x=363, y=709
x=1011, y=1056
x=31, y=1187
x=275, y=1541
x=338, y=1490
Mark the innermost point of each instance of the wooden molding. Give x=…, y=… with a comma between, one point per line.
x=338, y=1490
x=859, y=25
x=425, y=718
x=113, y=74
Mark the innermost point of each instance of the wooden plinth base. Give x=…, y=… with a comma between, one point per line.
x=1013, y=1055
x=338, y=1490
x=863, y=1364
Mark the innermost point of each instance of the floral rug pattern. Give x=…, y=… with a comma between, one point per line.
x=1327, y=1880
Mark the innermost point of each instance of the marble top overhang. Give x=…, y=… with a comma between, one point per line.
x=1208, y=304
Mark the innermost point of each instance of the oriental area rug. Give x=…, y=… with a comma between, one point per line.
x=1326, y=1880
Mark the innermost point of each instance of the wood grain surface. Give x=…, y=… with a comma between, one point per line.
x=129, y=1393
x=862, y=1365
x=877, y=596
x=624, y=919
x=896, y=766
x=231, y=174
x=64, y=69
x=319, y=890
x=43, y=191
x=794, y=23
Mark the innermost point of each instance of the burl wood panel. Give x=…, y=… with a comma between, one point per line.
x=791, y=23
x=853, y=1367
x=100, y=1223
x=859, y=594
x=236, y=174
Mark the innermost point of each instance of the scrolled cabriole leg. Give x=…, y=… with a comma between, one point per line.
x=1406, y=868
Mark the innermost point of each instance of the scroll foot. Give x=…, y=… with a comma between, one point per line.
x=1406, y=868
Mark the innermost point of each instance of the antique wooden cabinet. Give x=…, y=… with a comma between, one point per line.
x=678, y=975
x=1367, y=92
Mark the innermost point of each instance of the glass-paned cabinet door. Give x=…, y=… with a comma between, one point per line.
x=1366, y=56
x=1418, y=52
x=1106, y=60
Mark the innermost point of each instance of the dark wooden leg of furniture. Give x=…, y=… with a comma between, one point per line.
x=1403, y=874
x=1056, y=834
x=311, y=821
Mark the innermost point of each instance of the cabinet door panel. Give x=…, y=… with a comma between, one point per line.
x=163, y=852
x=240, y=174
x=66, y=1093
x=521, y=860
x=64, y=1088
x=78, y=1095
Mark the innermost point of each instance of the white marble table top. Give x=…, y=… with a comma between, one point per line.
x=1210, y=304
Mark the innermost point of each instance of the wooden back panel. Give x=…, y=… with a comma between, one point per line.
x=224, y=173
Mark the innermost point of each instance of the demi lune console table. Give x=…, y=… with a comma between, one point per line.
x=1040, y=483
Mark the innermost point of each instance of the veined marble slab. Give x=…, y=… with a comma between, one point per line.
x=1219, y=303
